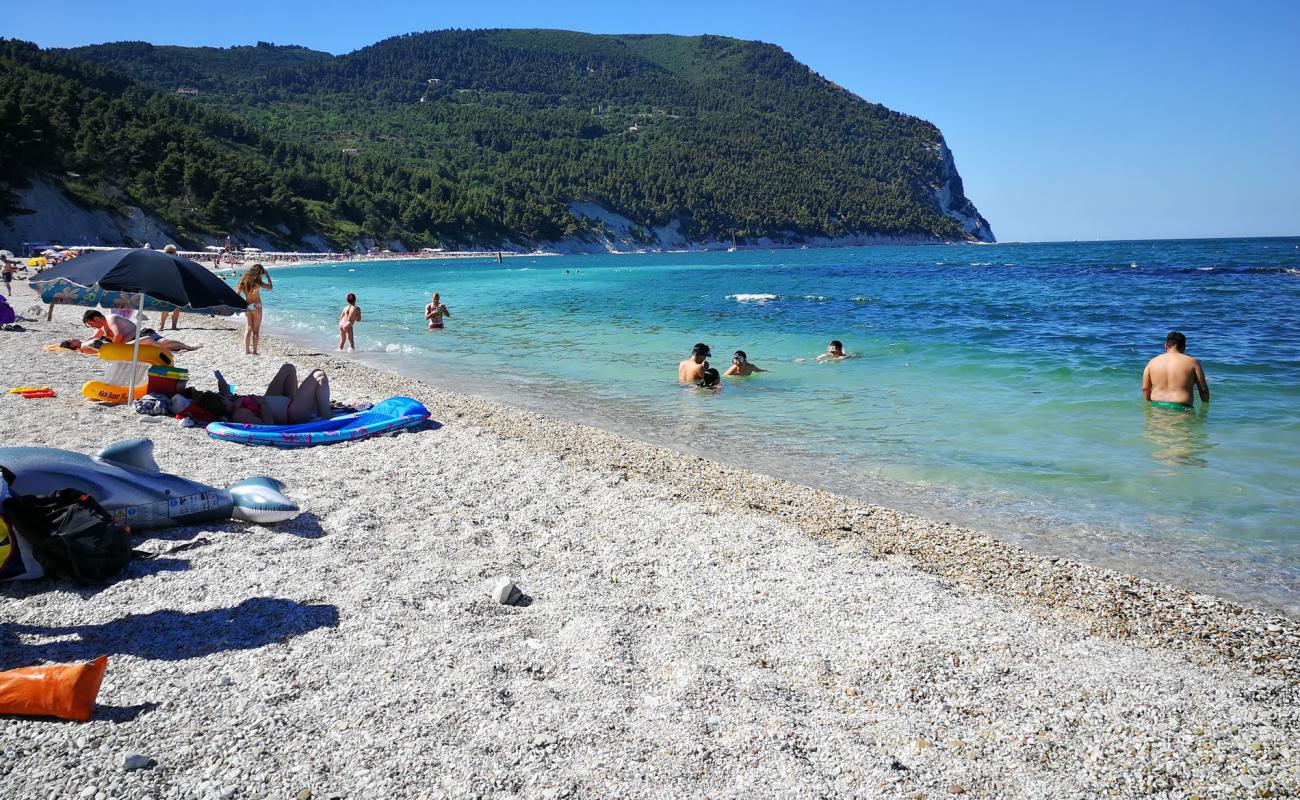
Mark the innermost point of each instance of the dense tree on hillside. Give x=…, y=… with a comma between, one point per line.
x=473, y=136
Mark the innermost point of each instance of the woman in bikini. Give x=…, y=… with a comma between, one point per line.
x=286, y=402
x=148, y=336
x=349, y=317
x=250, y=286
x=435, y=311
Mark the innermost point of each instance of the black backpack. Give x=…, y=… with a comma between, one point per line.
x=72, y=535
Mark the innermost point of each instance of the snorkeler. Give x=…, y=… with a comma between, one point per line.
x=740, y=365
x=835, y=352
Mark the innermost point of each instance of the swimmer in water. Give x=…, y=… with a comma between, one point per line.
x=1168, y=379
x=435, y=311
x=710, y=380
x=835, y=352
x=691, y=369
x=740, y=366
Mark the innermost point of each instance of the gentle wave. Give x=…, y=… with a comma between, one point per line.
x=753, y=298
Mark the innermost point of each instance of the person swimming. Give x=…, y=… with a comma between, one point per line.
x=740, y=366
x=1169, y=378
x=835, y=352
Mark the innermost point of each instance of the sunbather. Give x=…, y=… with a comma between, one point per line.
x=286, y=402
x=92, y=345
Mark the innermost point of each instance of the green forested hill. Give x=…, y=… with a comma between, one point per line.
x=483, y=136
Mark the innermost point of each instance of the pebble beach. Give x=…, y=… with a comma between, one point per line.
x=687, y=628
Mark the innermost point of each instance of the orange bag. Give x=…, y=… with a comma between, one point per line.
x=53, y=690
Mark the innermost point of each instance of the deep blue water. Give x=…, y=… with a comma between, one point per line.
x=999, y=384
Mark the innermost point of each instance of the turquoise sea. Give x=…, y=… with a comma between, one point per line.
x=999, y=385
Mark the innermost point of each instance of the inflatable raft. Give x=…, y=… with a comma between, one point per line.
x=391, y=415
x=113, y=389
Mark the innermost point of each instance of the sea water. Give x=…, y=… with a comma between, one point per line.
x=999, y=385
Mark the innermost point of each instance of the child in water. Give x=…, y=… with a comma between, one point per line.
x=710, y=380
x=349, y=317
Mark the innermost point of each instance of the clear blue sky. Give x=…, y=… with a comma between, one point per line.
x=1083, y=121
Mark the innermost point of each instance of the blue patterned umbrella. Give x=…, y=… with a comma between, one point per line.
x=169, y=281
x=120, y=278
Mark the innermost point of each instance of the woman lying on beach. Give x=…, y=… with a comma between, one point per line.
x=148, y=336
x=286, y=402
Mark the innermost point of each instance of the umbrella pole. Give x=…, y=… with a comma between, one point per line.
x=135, y=353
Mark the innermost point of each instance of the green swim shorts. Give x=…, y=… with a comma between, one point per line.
x=1165, y=405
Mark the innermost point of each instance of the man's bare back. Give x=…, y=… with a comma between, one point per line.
x=1169, y=378
x=690, y=370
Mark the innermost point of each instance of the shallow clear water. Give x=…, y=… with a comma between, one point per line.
x=999, y=384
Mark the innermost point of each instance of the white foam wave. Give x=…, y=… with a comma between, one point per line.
x=815, y=297
x=753, y=298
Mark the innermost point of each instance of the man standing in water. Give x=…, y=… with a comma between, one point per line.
x=1168, y=379
x=692, y=369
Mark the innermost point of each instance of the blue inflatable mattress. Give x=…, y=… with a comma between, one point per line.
x=393, y=414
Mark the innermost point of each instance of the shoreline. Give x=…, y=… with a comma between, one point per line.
x=697, y=628
x=1145, y=607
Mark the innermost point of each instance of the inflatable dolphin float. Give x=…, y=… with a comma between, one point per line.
x=126, y=481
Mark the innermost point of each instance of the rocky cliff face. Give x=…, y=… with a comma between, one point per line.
x=953, y=202
x=54, y=216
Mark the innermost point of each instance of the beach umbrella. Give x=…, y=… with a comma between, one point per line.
x=140, y=273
